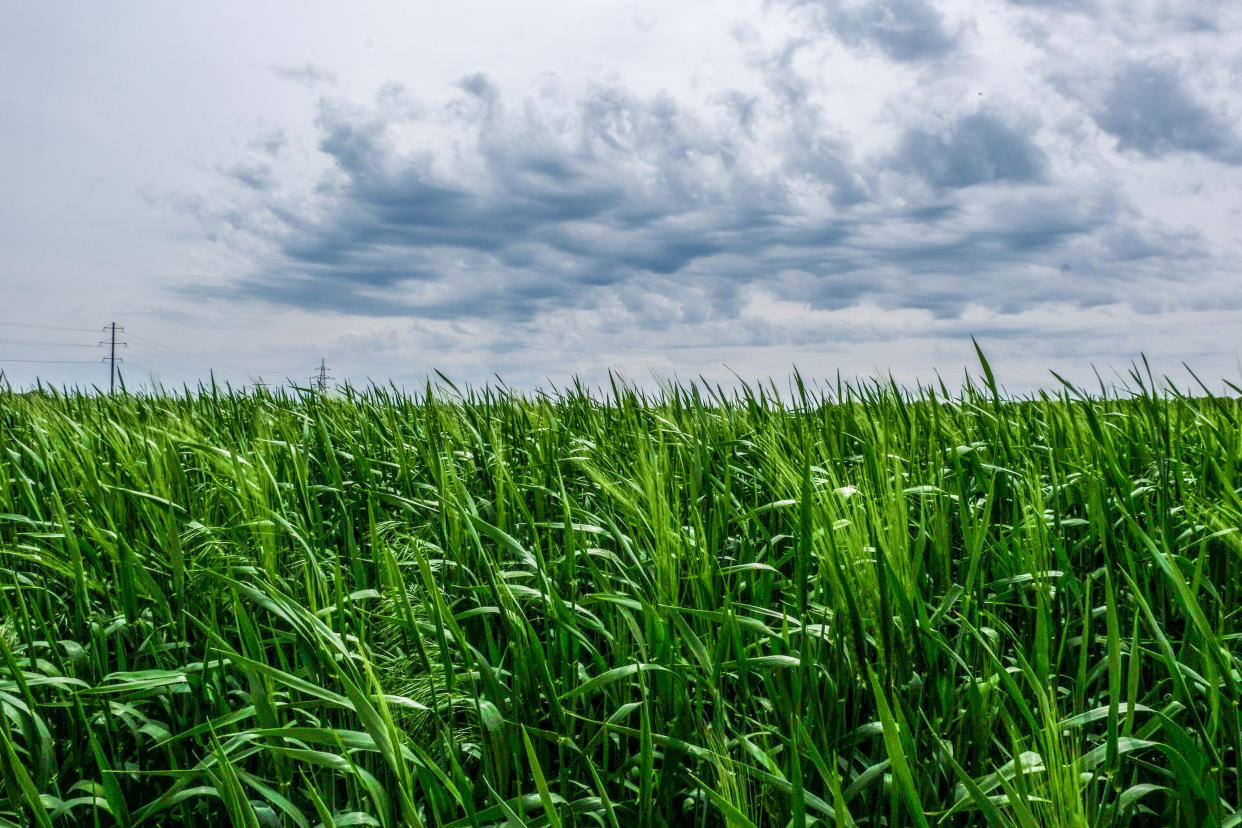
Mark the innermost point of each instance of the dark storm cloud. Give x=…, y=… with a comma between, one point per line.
x=309, y=293
x=810, y=150
x=904, y=30
x=254, y=176
x=270, y=143
x=1083, y=6
x=975, y=149
x=308, y=74
x=636, y=209
x=1150, y=111
x=1029, y=225
x=1130, y=20
x=1197, y=22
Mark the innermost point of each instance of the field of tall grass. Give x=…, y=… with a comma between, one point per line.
x=855, y=606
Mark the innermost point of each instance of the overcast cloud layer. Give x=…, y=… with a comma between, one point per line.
x=717, y=187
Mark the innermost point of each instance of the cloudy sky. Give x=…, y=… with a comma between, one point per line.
x=538, y=190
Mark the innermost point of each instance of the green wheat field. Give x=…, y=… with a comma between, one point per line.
x=856, y=604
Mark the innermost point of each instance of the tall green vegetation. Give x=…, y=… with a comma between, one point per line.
x=702, y=608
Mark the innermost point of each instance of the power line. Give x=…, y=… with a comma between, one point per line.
x=184, y=363
x=158, y=375
x=111, y=357
x=321, y=376
x=177, y=354
x=158, y=346
x=176, y=362
x=54, y=361
x=48, y=344
x=46, y=327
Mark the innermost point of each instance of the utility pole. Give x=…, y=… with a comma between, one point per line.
x=111, y=357
x=320, y=377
